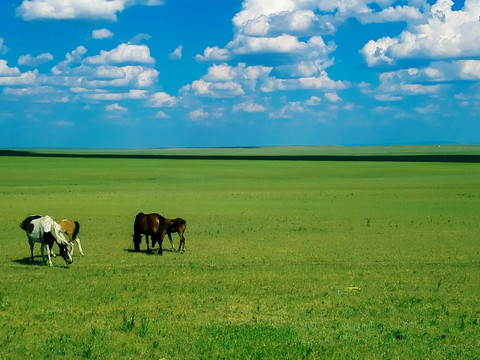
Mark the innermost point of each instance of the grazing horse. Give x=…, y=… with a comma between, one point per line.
x=44, y=230
x=71, y=228
x=152, y=225
x=177, y=225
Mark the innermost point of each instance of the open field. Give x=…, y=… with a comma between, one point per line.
x=284, y=259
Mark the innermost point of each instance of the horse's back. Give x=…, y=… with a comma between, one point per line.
x=28, y=220
x=176, y=225
x=148, y=223
x=70, y=227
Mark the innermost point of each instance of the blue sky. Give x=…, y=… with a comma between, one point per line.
x=192, y=73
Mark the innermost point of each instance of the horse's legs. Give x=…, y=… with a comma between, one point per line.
x=160, y=242
x=137, y=239
x=148, y=246
x=79, y=246
x=31, y=249
x=48, y=253
x=182, y=243
x=171, y=242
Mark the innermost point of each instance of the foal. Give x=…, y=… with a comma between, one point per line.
x=72, y=228
x=177, y=225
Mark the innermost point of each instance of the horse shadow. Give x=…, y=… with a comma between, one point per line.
x=28, y=262
x=147, y=252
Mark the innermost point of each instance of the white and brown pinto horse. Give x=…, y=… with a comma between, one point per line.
x=44, y=230
x=72, y=228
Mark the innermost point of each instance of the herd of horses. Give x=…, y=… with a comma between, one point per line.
x=46, y=231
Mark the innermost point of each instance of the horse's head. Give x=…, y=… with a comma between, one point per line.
x=66, y=252
x=137, y=239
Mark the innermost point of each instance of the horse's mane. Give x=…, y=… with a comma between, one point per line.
x=28, y=220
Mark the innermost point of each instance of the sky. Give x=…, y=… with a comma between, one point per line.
x=233, y=73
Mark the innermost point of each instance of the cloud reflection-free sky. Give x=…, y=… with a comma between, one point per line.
x=192, y=73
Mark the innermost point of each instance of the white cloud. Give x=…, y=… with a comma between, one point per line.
x=313, y=101
x=107, y=96
x=213, y=54
x=3, y=48
x=286, y=44
x=410, y=14
x=447, y=33
x=216, y=89
x=34, y=60
x=161, y=115
x=12, y=76
x=43, y=94
x=332, y=97
x=116, y=107
x=198, y=114
x=102, y=34
x=111, y=76
x=162, y=99
x=322, y=81
x=5, y=70
x=177, y=53
x=248, y=107
x=430, y=108
x=288, y=111
x=77, y=9
x=375, y=52
x=123, y=53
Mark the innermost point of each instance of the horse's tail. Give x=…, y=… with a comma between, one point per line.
x=161, y=224
x=76, y=230
x=28, y=220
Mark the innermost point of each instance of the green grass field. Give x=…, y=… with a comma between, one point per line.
x=283, y=260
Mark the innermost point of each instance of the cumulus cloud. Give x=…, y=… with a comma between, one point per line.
x=162, y=99
x=3, y=48
x=223, y=81
x=103, y=95
x=123, y=53
x=34, y=60
x=286, y=44
x=333, y=97
x=45, y=94
x=249, y=107
x=116, y=107
x=198, y=114
x=102, y=34
x=10, y=76
x=177, y=53
x=161, y=115
x=447, y=33
x=77, y=9
x=5, y=70
x=213, y=54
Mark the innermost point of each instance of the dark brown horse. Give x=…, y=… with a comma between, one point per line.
x=152, y=225
x=177, y=225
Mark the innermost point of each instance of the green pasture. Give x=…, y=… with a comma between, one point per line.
x=283, y=260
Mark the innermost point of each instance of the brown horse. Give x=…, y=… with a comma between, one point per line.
x=152, y=225
x=177, y=225
x=72, y=228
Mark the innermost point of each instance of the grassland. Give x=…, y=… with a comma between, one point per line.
x=284, y=259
